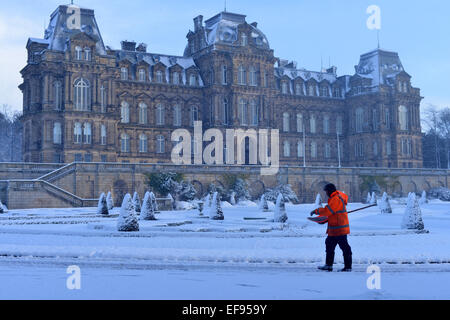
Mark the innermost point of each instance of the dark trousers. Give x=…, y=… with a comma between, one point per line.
x=331, y=244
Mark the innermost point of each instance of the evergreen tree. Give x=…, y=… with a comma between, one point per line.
x=423, y=199
x=318, y=202
x=148, y=212
x=280, y=214
x=216, y=212
x=384, y=204
x=127, y=221
x=233, y=198
x=373, y=198
x=1, y=208
x=263, y=205
x=102, y=207
x=110, y=201
x=369, y=198
x=137, y=202
x=154, y=202
x=412, y=218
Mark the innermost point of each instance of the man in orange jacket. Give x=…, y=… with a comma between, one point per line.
x=335, y=214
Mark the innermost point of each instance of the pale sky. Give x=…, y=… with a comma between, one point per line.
x=306, y=31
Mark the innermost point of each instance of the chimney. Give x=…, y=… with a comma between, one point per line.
x=142, y=47
x=198, y=23
x=332, y=70
x=128, y=45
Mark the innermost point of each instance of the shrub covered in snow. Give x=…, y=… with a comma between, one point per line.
x=136, y=202
x=373, y=198
x=154, y=202
x=384, y=204
x=102, y=207
x=240, y=188
x=110, y=201
x=318, y=202
x=148, y=212
x=423, y=199
x=280, y=214
x=2, y=209
x=173, y=183
x=263, y=205
x=233, y=198
x=127, y=221
x=286, y=191
x=412, y=218
x=369, y=198
x=216, y=212
x=441, y=193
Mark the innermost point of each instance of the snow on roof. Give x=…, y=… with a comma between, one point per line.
x=379, y=65
x=306, y=75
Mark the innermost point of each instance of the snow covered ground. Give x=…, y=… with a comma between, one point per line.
x=184, y=256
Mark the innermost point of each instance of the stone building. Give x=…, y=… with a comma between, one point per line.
x=86, y=102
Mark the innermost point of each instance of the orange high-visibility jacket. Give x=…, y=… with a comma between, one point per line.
x=335, y=213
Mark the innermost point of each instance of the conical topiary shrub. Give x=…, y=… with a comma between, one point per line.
x=384, y=204
x=102, y=207
x=110, y=201
x=280, y=214
x=412, y=218
x=147, y=211
x=137, y=202
x=216, y=212
x=127, y=221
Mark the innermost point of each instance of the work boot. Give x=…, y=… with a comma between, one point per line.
x=346, y=270
x=326, y=268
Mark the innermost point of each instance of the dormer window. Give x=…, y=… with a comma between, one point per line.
x=78, y=53
x=192, y=80
x=284, y=87
x=312, y=90
x=159, y=77
x=141, y=75
x=124, y=73
x=244, y=40
x=87, y=54
x=299, y=89
x=176, y=78
x=337, y=92
x=324, y=91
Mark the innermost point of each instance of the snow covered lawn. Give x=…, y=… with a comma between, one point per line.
x=247, y=259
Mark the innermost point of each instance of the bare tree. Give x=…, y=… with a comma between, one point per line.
x=431, y=120
x=444, y=130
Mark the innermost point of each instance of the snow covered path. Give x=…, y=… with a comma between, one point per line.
x=182, y=255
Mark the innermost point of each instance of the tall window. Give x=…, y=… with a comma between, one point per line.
x=103, y=135
x=160, y=144
x=286, y=122
x=194, y=115
x=103, y=99
x=326, y=125
x=287, y=149
x=327, y=150
x=284, y=87
x=359, y=119
x=375, y=119
x=78, y=53
x=77, y=133
x=176, y=78
x=124, y=73
x=159, y=76
x=300, y=151
x=324, y=91
x=82, y=95
x=87, y=130
x=387, y=118
x=224, y=75
x=225, y=111
x=177, y=116
x=241, y=76
x=124, y=143
x=125, y=112
x=57, y=89
x=311, y=90
x=266, y=79
x=403, y=117
x=57, y=133
x=142, y=75
x=192, y=80
x=388, y=147
x=312, y=124
x=254, y=113
x=143, y=143
x=160, y=115
x=339, y=125
x=143, y=113
x=244, y=39
x=375, y=149
x=253, y=77
x=87, y=54
x=299, y=123
x=244, y=112
x=337, y=92
x=313, y=150
x=298, y=89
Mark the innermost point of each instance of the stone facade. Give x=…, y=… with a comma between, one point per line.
x=84, y=101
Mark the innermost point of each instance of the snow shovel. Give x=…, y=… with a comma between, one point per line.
x=360, y=209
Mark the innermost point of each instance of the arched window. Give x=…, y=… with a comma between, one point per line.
x=224, y=75
x=244, y=39
x=87, y=54
x=300, y=151
x=103, y=99
x=193, y=80
x=359, y=120
x=124, y=73
x=78, y=53
x=254, y=113
x=298, y=89
x=160, y=117
x=327, y=150
x=142, y=77
x=160, y=144
x=194, y=115
x=82, y=95
x=286, y=122
x=143, y=143
x=313, y=150
x=312, y=124
x=284, y=87
x=103, y=135
x=176, y=78
x=225, y=111
x=253, y=77
x=324, y=91
x=311, y=90
x=339, y=125
x=177, y=116
x=242, y=76
x=77, y=133
x=87, y=131
x=326, y=124
x=124, y=143
x=299, y=123
x=143, y=113
x=57, y=92
x=287, y=149
x=388, y=147
x=243, y=112
x=57, y=133
x=159, y=76
x=403, y=117
x=125, y=112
